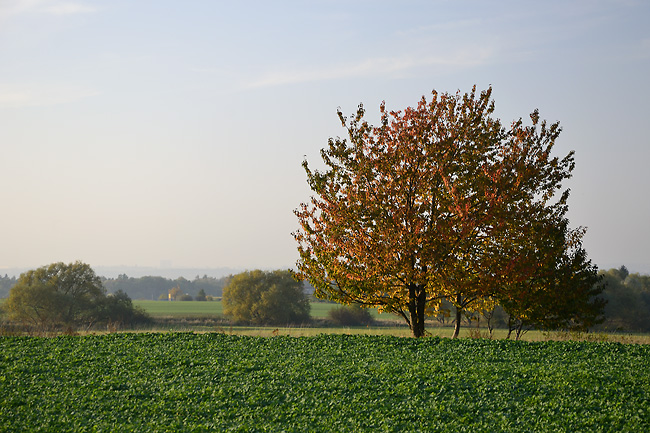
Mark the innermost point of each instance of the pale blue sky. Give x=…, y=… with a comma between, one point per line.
x=149, y=132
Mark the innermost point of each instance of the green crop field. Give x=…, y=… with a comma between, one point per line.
x=181, y=309
x=184, y=382
x=319, y=310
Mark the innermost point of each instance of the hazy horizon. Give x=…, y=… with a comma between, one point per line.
x=134, y=271
x=149, y=133
x=191, y=273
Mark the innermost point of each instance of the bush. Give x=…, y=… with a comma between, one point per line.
x=265, y=298
x=350, y=315
x=118, y=308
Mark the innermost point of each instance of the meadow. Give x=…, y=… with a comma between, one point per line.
x=213, y=309
x=186, y=382
x=181, y=309
x=208, y=317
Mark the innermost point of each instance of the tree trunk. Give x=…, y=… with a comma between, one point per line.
x=459, y=315
x=489, y=315
x=417, y=303
x=510, y=327
x=519, y=330
x=457, y=324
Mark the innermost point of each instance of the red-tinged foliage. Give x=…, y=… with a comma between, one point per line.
x=440, y=201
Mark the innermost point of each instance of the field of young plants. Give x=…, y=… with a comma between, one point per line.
x=180, y=382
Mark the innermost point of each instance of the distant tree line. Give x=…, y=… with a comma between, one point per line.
x=153, y=288
x=6, y=283
x=628, y=300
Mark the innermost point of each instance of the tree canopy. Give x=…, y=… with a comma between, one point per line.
x=66, y=295
x=265, y=298
x=439, y=202
x=562, y=293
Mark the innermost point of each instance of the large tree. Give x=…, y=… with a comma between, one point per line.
x=438, y=202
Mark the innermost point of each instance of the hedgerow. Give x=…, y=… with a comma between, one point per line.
x=215, y=382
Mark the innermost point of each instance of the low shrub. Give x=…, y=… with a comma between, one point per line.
x=350, y=315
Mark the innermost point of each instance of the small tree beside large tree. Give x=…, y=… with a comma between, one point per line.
x=439, y=202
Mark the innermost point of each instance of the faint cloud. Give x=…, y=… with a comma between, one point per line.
x=68, y=9
x=10, y=8
x=372, y=67
x=40, y=95
x=445, y=27
x=207, y=70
